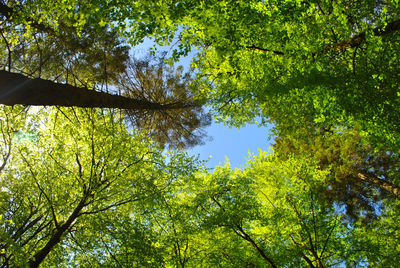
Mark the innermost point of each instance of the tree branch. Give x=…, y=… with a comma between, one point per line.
x=356, y=40
x=385, y=185
x=276, y=52
x=110, y=206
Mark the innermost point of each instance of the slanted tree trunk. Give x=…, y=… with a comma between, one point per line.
x=57, y=235
x=385, y=185
x=19, y=89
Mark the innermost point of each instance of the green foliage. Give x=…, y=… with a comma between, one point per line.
x=380, y=239
x=79, y=157
x=80, y=188
x=329, y=63
x=147, y=208
x=275, y=208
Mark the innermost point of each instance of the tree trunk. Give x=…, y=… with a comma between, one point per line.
x=19, y=89
x=254, y=244
x=56, y=236
x=385, y=185
x=356, y=40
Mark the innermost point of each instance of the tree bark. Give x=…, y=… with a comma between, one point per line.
x=276, y=52
x=254, y=244
x=6, y=11
x=57, y=235
x=352, y=42
x=19, y=89
x=385, y=185
x=356, y=40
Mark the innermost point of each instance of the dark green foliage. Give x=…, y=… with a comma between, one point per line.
x=360, y=178
x=180, y=124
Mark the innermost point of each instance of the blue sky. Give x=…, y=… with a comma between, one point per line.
x=233, y=144
x=224, y=142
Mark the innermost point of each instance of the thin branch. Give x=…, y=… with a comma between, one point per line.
x=109, y=252
x=7, y=142
x=326, y=241
x=245, y=236
x=310, y=240
x=276, y=52
x=8, y=49
x=40, y=229
x=314, y=223
x=110, y=206
x=59, y=164
x=40, y=188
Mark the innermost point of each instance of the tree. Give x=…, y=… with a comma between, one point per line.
x=275, y=208
x=72, y=48
x=75, y=55
x=292, y=62
x=361, y=177
x=180, y=120
x=326, y=73
x=163, y=105
x=98, y=167
x=381, y=236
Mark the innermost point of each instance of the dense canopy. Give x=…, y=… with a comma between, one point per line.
x=93, y=170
